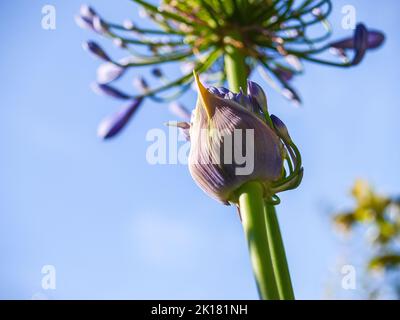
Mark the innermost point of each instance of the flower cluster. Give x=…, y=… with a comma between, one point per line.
x=272, y=36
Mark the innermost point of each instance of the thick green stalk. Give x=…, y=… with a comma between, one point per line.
x=259, y=219
x=278, y=255
x=235, y=68
x=251, y=205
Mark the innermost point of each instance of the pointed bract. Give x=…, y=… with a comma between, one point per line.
x=212, y=161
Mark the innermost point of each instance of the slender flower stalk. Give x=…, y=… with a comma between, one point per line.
x=278, y=255
x=251, y=206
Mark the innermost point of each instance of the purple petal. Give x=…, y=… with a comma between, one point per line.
x=113, y=124
x=140, y=83
x=347, y=43
x=244, y=101
x=215, y=91
x=284, y=74
x=156, y=72
x=280, y=127
x=87, y=11
x=360, y=43
x=257, y=96
x=84, y=22
x=107, y=90
x=96, y=50
x=292, y=95
x=230, y=96
x=99, y=25
x=108, y=72
x=375, y=39
x=223, y=90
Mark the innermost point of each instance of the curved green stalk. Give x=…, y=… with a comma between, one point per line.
x=278, y=255
x=251, y=205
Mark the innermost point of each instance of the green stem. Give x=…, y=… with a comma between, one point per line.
x=259, y=219
x=277, y=252
x=251, y=205
x=235, y=68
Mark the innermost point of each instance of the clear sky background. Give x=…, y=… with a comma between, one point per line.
x=117, y=227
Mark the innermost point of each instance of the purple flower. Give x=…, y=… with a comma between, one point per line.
x=87, y=12
x=280, y=128
x=96, y=50
x=285, y=74
x=99, y=25
x=360, y=43
x=257, y=96
x=84, y=23
x=113, y=124
x=291, y=94
x=156, y=72
x=85, y=17
x=362, y=40
x=244, y=101
x=140, y=83
x=107, y=90
x=108, y=72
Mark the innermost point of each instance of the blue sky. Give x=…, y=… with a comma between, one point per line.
x=117, y=227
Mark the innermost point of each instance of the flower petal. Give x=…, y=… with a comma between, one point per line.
x=360, y=43
x=113, y=124
x=107, y=90
x=108, y=72
x=96, y=50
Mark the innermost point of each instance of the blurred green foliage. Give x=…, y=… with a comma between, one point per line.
x=380, y=215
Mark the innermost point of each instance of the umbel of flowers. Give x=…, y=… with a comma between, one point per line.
x=270, y=36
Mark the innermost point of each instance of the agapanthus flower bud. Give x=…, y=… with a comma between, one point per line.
x=285, y=74
x=96, y=50
x=292, y=95
x=87, y=11
x=83, y=22
x=120, y=43
x=108, y=72
x=157, y=72
x=128, y=24
x=99, y=25
x=107, y=90
x=113, y=124
x=140, y=83
x=362, y=40
x=360, y=43
x=222, y=131
x=280, y=128
x=257, y=94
